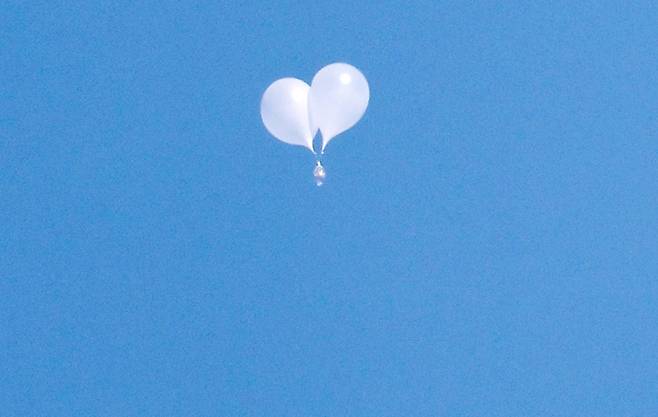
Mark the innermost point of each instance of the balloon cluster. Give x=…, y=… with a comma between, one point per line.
x=293, y=112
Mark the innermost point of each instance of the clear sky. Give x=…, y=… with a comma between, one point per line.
x=486, y=243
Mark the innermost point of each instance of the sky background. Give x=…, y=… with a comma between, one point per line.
x=486, y=243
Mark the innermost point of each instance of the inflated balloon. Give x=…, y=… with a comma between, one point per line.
x=338, y=99
x=284, y=110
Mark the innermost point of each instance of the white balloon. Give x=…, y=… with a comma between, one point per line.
x=284, y=110
x=338, y=99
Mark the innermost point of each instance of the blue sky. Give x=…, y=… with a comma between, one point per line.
x=485, y=244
